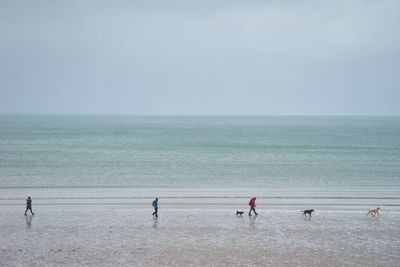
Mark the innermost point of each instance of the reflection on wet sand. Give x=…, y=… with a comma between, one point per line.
x=28, y=219
x=252, y=222
x=155, y=223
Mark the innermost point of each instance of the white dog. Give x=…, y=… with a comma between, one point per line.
x=373, y=211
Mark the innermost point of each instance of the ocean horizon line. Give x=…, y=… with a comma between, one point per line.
x=192, y=115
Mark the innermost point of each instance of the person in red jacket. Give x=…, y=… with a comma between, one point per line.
x=252, y=204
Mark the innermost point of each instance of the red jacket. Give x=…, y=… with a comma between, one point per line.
x=252, y=202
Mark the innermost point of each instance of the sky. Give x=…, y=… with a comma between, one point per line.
x=200, y=57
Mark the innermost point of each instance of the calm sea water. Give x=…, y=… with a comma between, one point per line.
x=200, y=152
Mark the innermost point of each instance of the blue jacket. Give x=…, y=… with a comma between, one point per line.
x=155, y=203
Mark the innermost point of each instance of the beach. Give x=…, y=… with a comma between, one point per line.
x=113, y=235
x=113, y=226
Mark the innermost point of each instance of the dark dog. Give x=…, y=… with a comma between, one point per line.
x=305, y=212
x=239, y=212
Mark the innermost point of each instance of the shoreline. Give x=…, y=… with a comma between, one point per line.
x=363, y=209
x=271, y=198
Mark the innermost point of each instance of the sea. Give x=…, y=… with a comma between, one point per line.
x=328, y=162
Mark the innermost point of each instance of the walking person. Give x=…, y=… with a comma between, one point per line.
x=252, y=204
x=155, y=206
x=29, y=205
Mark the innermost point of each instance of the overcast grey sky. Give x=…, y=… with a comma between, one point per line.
x=200, y=57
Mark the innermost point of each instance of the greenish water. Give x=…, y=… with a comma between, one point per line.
x=199, y=151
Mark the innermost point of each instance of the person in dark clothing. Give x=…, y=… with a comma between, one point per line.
x=252, y=204
x=155, y=206
x=29, y=205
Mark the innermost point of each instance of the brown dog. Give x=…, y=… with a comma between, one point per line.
x=373, y=211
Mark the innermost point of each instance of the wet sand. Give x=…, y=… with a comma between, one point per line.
x=115, y=235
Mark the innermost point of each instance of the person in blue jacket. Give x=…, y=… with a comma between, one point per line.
x=155, y=206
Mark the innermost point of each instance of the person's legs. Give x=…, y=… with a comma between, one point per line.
x=26, y=210
x=252, y=208
x=155, y=212
x=30, y=208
